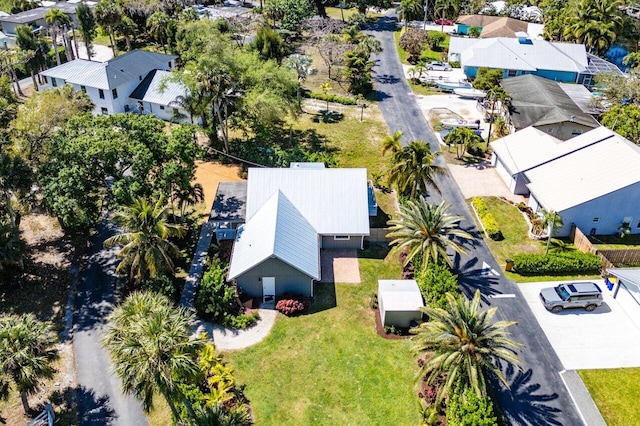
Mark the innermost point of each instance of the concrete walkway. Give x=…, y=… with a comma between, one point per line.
x=581, y=397
x=228, y=339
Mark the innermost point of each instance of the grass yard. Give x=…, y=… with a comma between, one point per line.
x=428, y=54
x=334, y=12
x=616, y=392
x=330, y=367
x=609, y=242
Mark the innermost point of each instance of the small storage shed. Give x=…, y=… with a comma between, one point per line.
x=399, y=302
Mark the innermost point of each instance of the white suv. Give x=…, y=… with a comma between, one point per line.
x=585, y=295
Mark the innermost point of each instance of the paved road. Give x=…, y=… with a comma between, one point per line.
x=100, y=398
x=537, y=395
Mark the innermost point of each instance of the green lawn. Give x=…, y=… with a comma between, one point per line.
x=430, y=55
x=616, y=392
x=609, y=242
x=330, y=367
x=334, y=12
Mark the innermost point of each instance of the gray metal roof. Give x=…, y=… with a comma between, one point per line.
x=230, y=203
x=581, y=96
x=149, y=89
x=134, y=65
x=400, y=295
x=29, y=16
x=277, y=230
x=333, y=201
x=536, y=101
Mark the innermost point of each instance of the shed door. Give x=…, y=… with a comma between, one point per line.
x=268, y=289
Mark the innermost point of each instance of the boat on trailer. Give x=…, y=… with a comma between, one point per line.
x=450, y=86
x=457, y=122
x=470, y=93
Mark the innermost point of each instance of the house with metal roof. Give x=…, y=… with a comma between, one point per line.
x=564, y=62
x=291, y=214
x=548, y=105
x=132, y=82
x=34, y=18
x=494, y=26
x=592, y=180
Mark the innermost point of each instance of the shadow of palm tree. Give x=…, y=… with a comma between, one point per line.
x=522, y=405
x=472, y=277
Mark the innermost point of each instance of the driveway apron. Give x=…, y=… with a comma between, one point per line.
x=537, y=395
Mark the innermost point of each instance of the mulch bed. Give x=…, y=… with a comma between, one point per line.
x=380, y=328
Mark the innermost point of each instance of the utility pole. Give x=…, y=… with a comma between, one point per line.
x=426, y=8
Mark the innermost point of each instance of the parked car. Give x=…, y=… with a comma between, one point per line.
x=585, y=295
x=442, y=21
x=438, y=66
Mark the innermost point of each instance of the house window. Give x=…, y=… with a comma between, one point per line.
x=512, y=73
x=46, y=79
x=104, y=111
x=101, y=93
x=83, y=88
x=596, y=219
x=341, y=237
x=638, y=225
x=114, y=92
x=54, y=83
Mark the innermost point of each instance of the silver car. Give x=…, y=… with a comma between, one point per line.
x=439, y=66
x=585, y=295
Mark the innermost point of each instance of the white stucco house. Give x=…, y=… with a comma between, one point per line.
x=591, y=180
x=126, y=83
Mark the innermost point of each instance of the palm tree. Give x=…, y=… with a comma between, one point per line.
x=301, y=64
x=596, y=24
x=27, y=351
x=108, y=15
x=127, y=28
x=462, y=138
x=414, y=169
x=147, y=251
x=152, y=349
x=447, y=9
x=158, y=24
x=391, y=143
x=408, y=10
x=463, y=344
x=56, y=19
x=87, y=27
x=217, y=414
x=427, y=230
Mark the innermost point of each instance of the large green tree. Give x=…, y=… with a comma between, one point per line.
x=27, y=352
x=414, y=169
x=427, y=231
x=463, y=344
x=151, y=346
x=158, y=26
x=146, y=250
x=87, y=27
x=35, y=48
x=56, y=20
x=108, y=14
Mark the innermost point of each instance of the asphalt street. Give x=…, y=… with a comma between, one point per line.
x=100, y=397
x=537, y=395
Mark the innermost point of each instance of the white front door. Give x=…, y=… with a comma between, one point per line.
x=268, y=289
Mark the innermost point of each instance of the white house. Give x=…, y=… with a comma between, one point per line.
x=290, y=214
x=112, y=85
x=592, y=180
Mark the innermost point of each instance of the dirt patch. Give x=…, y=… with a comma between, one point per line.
x=209, y=174
x=382, y=333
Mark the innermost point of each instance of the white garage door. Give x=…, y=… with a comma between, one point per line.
x=504, y=174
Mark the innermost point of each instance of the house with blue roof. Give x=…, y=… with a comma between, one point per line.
x=134, y=82
x=562, y=62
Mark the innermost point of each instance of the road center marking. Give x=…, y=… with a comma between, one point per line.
x=503, y=296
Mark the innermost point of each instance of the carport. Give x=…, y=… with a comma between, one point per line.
x=627, y=278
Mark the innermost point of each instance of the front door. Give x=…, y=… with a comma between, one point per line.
x=268, y=289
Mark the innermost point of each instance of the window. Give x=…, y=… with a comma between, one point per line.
x=83, y=88
x=54, y=83
x=512, y=73
x=101, y=93
x=638, y=225
x=162, y=107
x=114, y=92
x=169, y=64
x=104, y=110
x=46, y=79
x=341, y=237
x=596, y=219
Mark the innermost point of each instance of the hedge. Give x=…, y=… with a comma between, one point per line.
x=488, y=221
x=327, y=97
x=557, y=264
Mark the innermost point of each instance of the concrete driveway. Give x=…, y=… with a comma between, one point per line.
x=605, y=338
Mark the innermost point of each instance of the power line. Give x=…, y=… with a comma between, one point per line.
x=236, y=158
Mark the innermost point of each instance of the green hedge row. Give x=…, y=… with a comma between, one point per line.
x=489, y=222
x=327, y=97
x=557, y=264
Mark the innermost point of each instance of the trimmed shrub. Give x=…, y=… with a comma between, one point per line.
x=216, y=299
x=488, y=221
x=161, y=284
x=557, y=263
x=434, y=282
x=292, y=304
x=468, y=409
x=328, y=97
x=244, y=321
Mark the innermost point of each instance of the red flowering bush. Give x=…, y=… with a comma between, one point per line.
x=291, y=304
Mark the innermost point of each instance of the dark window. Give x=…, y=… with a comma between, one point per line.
x=169, y=64
x=512, y=73
x=638, y=225
x=46, y=79
x=114, y=92
x=83, y=88
x=104, y=110
x=54, y=83
x=596, y=219
x=101, y=93
x=341, y=237
x=162, y=107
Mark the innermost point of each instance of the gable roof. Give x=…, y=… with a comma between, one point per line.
x=149, y=89
x=525, y=149
x=607, y=164
x=333, y=201
x=494, y=26
x=537, y=101
x=107, y=75
x=38, y=13
x=278, y=230
x=512, y=54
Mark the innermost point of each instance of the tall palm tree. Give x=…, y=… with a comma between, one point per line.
x=462, y=138
x=108, y=14
x=414, y=169
x=158, y=24
x=151, y=345
x=147, y=251
x=86, y=26
x=427, y=230
x=447, y=9
x=127, y=28
x=27, y=351
x=392, y=143
x=408, y=10
x=56, y=20
x=463, y=344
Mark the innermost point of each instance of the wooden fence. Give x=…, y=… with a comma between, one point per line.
x=610, y=258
